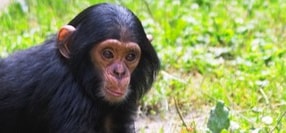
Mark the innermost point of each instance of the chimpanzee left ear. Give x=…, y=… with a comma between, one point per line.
x=150, y=37
x=63, y=34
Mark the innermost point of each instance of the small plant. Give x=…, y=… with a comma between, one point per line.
x=219, y=118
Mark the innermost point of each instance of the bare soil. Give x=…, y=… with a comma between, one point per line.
x=170, y=122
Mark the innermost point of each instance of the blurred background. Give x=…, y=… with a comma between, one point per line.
x=213, y=52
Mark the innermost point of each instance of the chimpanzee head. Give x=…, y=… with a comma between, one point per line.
x=109, y=53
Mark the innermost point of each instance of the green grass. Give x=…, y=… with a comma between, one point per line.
x=210, y=50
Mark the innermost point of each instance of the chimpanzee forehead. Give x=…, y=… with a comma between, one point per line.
x=118, y=43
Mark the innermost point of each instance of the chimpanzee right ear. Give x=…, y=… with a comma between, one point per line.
x=150, y=37
x=63, y=34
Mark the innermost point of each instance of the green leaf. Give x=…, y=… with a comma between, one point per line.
x=219, y=118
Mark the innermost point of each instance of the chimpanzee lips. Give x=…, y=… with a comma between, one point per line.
x=115, y=92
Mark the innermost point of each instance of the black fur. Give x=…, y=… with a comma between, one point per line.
x=43, y=92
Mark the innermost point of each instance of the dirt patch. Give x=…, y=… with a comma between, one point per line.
x=171, y=123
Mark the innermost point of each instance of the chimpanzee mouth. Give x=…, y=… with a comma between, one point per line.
x=115, y=92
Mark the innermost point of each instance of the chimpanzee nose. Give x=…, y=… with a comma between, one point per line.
x=119, y=71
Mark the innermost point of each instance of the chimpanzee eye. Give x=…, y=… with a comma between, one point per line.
x=131, y=56
x=107, y=53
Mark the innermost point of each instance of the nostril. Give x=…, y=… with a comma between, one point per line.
x=116, y=73
x=119, y=73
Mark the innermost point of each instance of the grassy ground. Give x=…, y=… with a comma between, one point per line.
x=232, y=51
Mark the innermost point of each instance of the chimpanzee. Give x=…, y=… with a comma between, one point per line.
x=87, y=78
